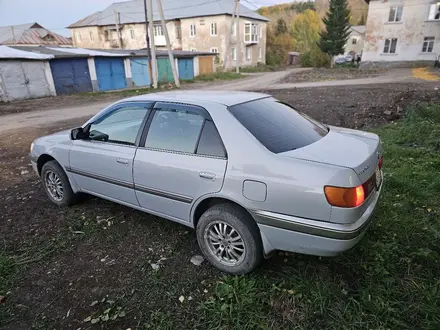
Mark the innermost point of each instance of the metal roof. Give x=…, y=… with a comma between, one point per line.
x=12, y=53
x=31, y=34
x=67, y=52
x=359, y=29
x=133, y=11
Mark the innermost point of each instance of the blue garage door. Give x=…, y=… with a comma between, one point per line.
x=186, y=68
x=110, y=73
x=71, y=75
x=140, y=71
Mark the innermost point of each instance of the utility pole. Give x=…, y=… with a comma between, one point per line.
x=117, y=28
x=153, y=47
x=13, y=35
x=228, y=45
x=237, y=68
x=167, y=40
x=147, y=36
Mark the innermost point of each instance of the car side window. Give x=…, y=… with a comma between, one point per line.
x=175, y=129
x=120, y=125
x=210, y=143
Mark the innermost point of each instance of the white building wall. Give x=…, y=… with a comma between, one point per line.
x=205, y=42
x=410, y=31
x=133, y=37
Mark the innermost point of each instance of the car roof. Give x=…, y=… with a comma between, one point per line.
x=227, y=98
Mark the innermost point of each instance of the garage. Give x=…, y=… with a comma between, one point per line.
x=165, y=72
x=206, y=64
x=24, y=75
x=110, y=73
x=139, y=71
x=186, y=68
x=71, y=75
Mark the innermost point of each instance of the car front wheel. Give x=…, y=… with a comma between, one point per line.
x=230, y=239
x=56, y=184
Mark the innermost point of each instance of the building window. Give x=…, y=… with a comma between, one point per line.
x=233, y=53
x=260, y=52
x=260, y=31
x=428, y=44
x=91, y=36
x=395, y=14
x=248, y=53
x=132, y=34
x=354, y=41
x=158, y=30
x=251, y=33
x=213, y=29
x=390, y=46
x=234, y=29
x=178, y=32
x=434, y=12
x=214, y=50
x=78, y=36
x=192, y=30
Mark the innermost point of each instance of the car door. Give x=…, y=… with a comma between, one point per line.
x=181, y=159
x=103, y=164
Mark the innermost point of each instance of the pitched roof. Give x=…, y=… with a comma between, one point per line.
x=359, y=29
x=133, y=11
x=31, y=34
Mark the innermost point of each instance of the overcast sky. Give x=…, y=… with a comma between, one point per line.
x=55, y=15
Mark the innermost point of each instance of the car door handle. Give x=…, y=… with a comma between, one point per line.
x=122, y=161
x=207, y=175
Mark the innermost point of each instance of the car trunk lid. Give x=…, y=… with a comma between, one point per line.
x=342, y=147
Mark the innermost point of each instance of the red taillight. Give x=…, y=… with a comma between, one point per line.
x=345, y=197
x=380, y=162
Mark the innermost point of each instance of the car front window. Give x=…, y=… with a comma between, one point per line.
x=121, y=125
x=278, y=126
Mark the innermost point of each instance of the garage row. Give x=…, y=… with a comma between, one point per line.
x=32, y=72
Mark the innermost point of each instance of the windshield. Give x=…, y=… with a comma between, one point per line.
x=278, y=126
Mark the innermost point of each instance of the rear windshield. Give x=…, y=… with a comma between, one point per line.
x=278, y=126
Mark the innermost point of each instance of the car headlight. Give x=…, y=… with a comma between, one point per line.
x=32, y=146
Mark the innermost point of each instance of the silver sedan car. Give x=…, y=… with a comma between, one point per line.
x=251, y=174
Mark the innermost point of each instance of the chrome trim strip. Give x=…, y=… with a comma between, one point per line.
x=156, y=192
x=101, y=178
x=319, y=228
x=310, y=229
x=166, y=194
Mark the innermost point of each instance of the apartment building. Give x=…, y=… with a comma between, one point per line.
x=194, y=25
x=400, y=31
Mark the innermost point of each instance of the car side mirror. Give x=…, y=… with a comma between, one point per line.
x=78, y=134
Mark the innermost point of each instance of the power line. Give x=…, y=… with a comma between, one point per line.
x=255, y=6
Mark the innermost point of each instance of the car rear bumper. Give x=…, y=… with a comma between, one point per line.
x=288, y=233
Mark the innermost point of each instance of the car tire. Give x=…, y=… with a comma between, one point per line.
x=56, y=184
x=236, y=227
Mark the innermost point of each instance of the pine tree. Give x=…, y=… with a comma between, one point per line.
x=281, y=27
x=337, y=23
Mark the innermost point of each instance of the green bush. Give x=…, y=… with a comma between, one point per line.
x=315, y=58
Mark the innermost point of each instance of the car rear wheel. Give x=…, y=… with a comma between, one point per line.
x=56, y=184
x=229, y=239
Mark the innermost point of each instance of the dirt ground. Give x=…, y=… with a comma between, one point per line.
x=339, y=73
x=96, y=258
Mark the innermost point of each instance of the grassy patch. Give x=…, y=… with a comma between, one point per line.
x=261, y=68
x=218, y=76
x=389, y=281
